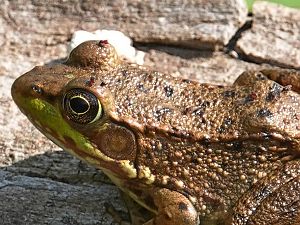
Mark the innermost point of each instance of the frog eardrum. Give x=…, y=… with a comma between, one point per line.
x=81, y=106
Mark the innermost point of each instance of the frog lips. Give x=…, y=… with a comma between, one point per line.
x=68, y=144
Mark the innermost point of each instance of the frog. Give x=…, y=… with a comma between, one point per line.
x=189, y=152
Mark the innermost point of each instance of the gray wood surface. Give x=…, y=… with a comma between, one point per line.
x=274, y=37
x=39, y=183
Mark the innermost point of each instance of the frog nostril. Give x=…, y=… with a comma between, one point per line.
x=37, y=89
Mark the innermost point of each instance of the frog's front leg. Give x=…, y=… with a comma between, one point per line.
x=173, y=209
x=273, y=200
x=284, y=77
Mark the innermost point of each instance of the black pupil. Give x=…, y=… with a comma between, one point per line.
x=79, y=105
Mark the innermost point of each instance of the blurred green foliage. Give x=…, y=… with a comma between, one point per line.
x=290, y=3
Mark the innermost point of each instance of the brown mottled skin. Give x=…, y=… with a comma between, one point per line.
x=218, y=155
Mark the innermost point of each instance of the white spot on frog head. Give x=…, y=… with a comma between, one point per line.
x=69, y=75
x=243, y=177
x=165, y=180
x=192, y=199
x=179, y=184
x=145, y=173
x=129, y=168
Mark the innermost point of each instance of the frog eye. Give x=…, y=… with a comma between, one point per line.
x=81, y=106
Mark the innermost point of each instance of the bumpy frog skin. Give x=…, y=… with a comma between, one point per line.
x=191, y=153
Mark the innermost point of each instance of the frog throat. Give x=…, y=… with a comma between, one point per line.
x=49, y=121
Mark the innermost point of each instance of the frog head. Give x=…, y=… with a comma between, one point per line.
x=70, y=104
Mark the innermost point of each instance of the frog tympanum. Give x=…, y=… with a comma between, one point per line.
x=191, y=153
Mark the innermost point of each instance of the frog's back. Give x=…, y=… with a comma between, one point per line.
x=165, y=103
x=187, y=109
